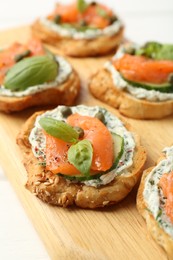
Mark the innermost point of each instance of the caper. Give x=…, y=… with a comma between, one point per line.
x=170, y=78
x=57, y=19
x=113, y=19
x=130, y=50
x=93, y=3
x=82, y=23
x=100, y=116
x=80, y=131
x=22, y=55
x=66, y=111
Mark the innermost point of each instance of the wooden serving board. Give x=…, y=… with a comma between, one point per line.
x=118, y=232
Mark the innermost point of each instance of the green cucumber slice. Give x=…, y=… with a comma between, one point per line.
x=78, y=28
x=164, y=88
x=118, y=152
x=118, y=149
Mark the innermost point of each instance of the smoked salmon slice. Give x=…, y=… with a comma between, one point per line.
x=56, y=156
x=142, y=69
x=166, y=184
x=7, y=56
x=70, y=14
x=94, y=131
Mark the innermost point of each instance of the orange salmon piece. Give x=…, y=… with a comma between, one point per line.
x=70, y=14
x=92, y=17
x=166, y=184
x=7, y=56
x=36, y=47
x=56, y=157
x=142, y=69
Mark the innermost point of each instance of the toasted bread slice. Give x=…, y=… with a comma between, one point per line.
x=64, y=93
x=161, y=237
x=59, y=191
x=103, y=88
x=77, y=47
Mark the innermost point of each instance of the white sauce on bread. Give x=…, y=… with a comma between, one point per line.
x=38, y=142
x=77, y=35
x=137, y=92
x=64, y=72
x=153, y=194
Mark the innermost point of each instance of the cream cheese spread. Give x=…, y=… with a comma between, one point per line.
x=140, y=93
x=64, y=72
x=75, y=34
x=114, y=125
x=153, y=194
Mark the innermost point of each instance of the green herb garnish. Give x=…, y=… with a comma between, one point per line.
x=59, y=129
x=42, y=164
x=156, y=51
x=80, y=155
x=30, y=72
x=81, y=5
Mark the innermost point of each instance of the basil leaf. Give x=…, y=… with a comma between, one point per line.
x=156, y=51
x=165, y=53
x=80, y=155
x=81, y=5
x=31, y=71
x=150, y=49
x=101, y=12
x=59, y=129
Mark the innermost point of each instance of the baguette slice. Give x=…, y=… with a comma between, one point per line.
x=103, y=88
x=77, y=48
x=160, y=236
x=64, y=93
x=59, y=191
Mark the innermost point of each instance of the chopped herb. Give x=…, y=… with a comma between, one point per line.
x=148, y=210
x=42, y=163
x=151, y=182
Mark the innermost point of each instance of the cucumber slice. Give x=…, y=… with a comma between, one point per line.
x=81, y=177
x=164, y=88
x=118, y=149
x=78, y=28
x=118, y=152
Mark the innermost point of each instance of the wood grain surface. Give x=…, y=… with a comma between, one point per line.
x=118, y=232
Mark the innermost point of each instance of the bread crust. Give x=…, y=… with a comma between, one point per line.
x=160, y=236
x=103, y=88
x=58, y=191
x=77, y=48
x=64, y=93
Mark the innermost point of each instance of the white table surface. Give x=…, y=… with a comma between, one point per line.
x=145, y=20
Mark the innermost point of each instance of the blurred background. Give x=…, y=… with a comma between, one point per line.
x=145, y=19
